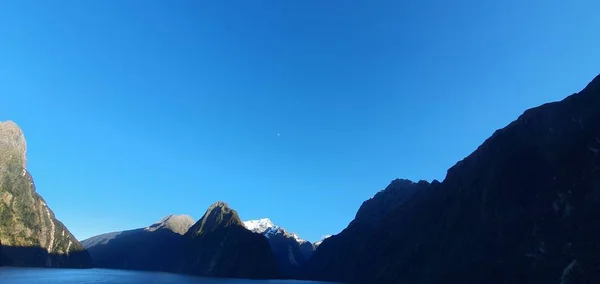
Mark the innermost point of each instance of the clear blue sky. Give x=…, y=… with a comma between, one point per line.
x=133, y=110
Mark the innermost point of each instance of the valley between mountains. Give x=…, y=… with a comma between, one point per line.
x=522, y=208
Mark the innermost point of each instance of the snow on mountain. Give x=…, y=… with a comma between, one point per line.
x=266, y=227
x=260, y=225
x=298, y=239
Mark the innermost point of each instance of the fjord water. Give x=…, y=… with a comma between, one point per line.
x=110, y=276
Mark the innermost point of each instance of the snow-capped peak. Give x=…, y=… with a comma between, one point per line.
x=260, y=225
x=265, y=227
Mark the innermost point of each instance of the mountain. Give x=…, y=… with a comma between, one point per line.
x=219, y=245
x=179, y=224
x=30, y=235
x=318, y=243
x=290, y=250
x=337, y=254
x=151, y=248
x=522, y=208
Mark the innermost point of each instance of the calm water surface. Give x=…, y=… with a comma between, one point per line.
x=93, y=276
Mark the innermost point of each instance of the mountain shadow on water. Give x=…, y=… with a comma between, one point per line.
x=39, y=257
x=522, y=208
x=136, y=250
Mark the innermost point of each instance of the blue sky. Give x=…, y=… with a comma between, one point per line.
x=293, y=110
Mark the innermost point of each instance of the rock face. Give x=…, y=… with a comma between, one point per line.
x=291, y=251
x=151, y=248
x=522, y=208
x=219, y=245
x=29, y=233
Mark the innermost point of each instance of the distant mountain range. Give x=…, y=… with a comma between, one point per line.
x=163, y=245
x=522, y=208
x=217, y=245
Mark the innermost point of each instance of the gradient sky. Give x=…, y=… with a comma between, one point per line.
x=296, y=110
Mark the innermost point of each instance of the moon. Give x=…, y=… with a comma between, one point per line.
x=278, y=135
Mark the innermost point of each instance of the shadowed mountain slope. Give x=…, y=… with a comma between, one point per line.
x=219, y=245
x=522, y=208
x=151, y=248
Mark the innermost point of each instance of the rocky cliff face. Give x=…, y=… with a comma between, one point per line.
x=152, y=248
x=219, y=245
x=522, y=208
x=29, y=233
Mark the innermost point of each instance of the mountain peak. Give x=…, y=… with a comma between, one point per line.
x=219, y=204
x=219, y=214
x=179, y=224
x=377, y=207
x=402, y=181
x=219, y=245
x=12, y=143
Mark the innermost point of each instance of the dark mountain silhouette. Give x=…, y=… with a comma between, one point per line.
x=340, y=252
x=522, y=208
x=219, y=245
x=289, y=255
x=149, y=248
x=29, y=232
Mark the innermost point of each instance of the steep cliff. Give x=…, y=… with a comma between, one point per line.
x=29, y=233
